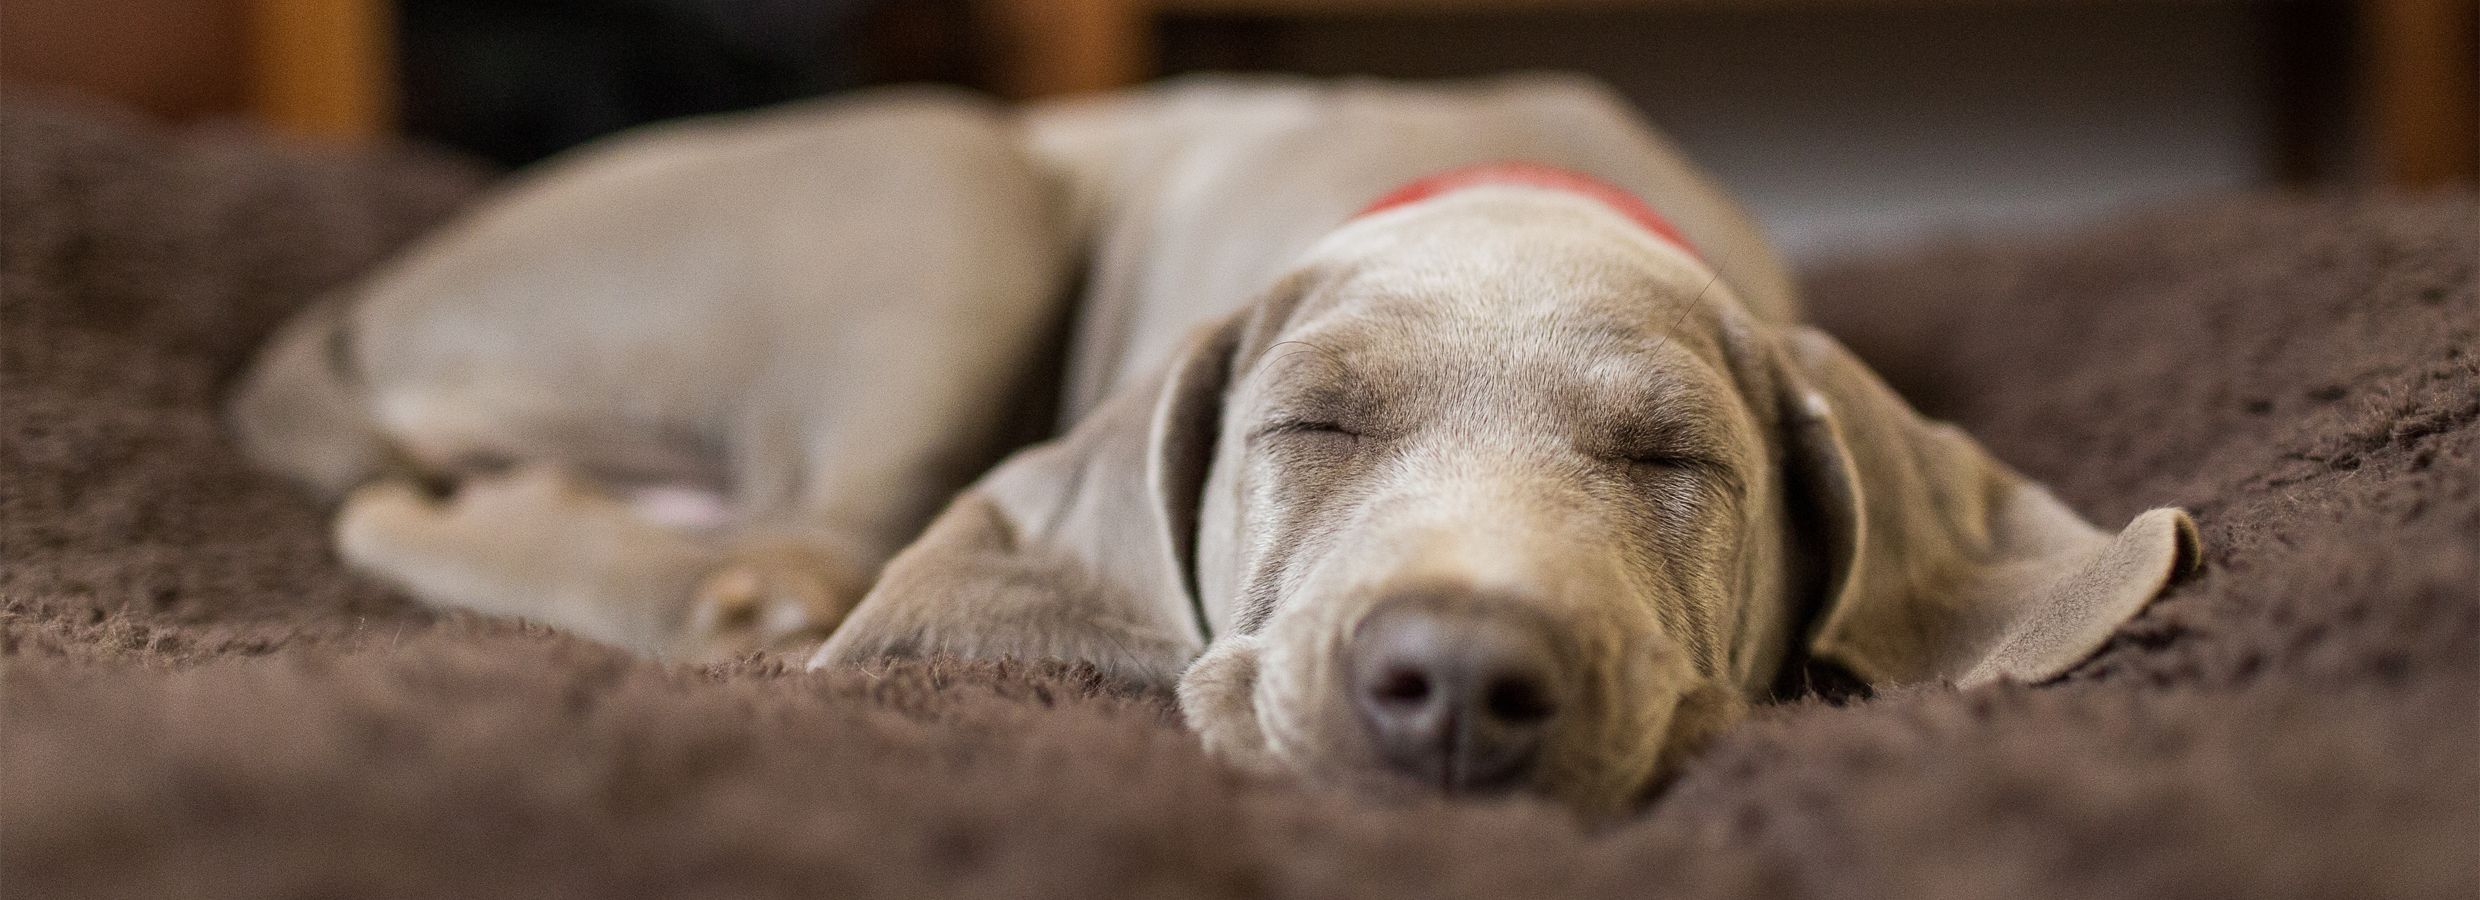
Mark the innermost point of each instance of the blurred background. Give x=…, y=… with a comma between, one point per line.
x=1846, y=125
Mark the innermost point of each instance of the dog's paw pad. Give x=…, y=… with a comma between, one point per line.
x=763, y=604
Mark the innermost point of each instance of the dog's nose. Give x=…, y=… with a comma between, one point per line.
x=1459, y=700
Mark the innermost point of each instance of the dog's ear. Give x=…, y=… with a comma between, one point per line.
x=1218, y=697
x=1941, y=564
x=1076, y=549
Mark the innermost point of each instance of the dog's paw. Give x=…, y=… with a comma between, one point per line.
x=380, y=522
x=1030, y=621
x=778, y=599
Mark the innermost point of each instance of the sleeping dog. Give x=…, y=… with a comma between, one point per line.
x=1461, y=434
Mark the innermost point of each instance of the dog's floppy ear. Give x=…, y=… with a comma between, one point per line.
x=1076, y=549
x=1218, y=697
x=1941, y=563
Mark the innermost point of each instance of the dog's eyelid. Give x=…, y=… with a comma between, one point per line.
x=1668, y=438
x=1720, y=475
x=1303, y=425
x=1316, y=407
x=1670, y=460
x=1681, y=443
x=1660, y=458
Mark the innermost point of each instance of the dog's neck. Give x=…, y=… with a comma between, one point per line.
x=1534, y=175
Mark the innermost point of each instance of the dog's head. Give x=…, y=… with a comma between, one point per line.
x=1501, y=490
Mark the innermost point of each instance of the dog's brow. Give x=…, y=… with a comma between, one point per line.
x=1677, y=419
x=1340, y=375
x=1303, y=379
x=1646, y=399
x=1285, y=351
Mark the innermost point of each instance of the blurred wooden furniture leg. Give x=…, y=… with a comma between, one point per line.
x=324, y=68
x=2422, y=89
x=1047, y=48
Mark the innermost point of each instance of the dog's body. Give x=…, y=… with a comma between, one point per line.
x=1496, y=487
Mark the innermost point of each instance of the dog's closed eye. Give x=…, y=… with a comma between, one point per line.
x=1658, y=461
x=1668, y=448
x=1292, y=426
x=1311, y=407
x=1318, y=442
x=1669, y=443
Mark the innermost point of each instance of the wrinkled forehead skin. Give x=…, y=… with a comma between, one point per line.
x=1547, y=292
x=1513, y=272
x=1513, y=341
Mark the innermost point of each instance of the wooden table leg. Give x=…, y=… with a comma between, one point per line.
x=2421, y=82
x=324, y=68
x=1045, y=48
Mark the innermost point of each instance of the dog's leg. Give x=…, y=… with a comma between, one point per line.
x=540, y=544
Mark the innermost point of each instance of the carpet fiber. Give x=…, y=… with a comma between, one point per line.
x=200, y=703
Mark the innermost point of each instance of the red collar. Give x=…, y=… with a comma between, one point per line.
x=1525, y=174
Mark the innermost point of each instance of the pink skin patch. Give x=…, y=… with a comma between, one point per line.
x=1535, y=175
x=680, y=506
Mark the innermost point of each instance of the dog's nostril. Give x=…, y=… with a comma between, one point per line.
x=1517, y=700
x=1402, y=687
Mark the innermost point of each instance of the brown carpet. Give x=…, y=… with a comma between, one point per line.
x=200, y=704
